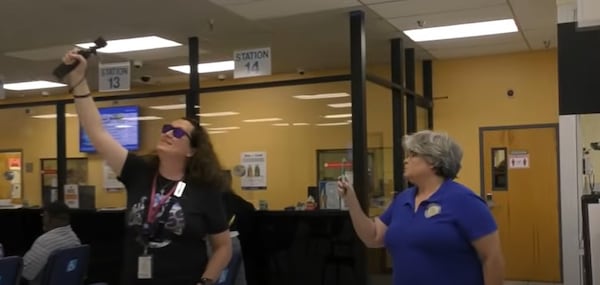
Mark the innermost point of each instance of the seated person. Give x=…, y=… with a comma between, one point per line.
x=58, y=235
x=239, y=213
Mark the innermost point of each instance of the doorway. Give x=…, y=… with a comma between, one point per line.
x=519, y=178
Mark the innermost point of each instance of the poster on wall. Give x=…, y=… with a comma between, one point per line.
x=111, y=183
x=255, y=175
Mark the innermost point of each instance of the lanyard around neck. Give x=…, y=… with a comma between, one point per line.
x=152, y=209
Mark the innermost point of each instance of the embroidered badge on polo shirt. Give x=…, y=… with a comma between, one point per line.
x=432, y=210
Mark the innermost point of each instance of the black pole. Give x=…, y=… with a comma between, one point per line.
x=411, y=105
x=428, y=90
x=397, y=47
x=61, y=150
x=192, y=97
x=358, y=82
x=359, y=119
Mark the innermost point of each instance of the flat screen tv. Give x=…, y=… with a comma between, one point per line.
x=121, y=122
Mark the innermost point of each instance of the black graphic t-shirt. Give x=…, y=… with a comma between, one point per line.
x=175, y=238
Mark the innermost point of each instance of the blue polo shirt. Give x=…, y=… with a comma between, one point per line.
x=433, y=245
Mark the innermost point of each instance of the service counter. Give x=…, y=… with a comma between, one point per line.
x=280, y=247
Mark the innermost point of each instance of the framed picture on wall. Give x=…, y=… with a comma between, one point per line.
x=77, y=171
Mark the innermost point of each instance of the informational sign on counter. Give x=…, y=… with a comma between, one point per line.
x=329, y=196
x=72, y=195
x=114, y=76
x=111, y=183
x=255, y=175
x=252, y=62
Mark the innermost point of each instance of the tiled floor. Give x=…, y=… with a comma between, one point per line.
x=387, y=280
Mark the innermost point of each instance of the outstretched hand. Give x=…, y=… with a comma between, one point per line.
x=344, y=186
x=77, y=75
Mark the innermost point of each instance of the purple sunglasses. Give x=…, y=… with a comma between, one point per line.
x=177, y=132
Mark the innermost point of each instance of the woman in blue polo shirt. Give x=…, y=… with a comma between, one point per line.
x=439, y=231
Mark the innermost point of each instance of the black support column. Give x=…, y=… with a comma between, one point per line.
x=359, y=118
x=192, y=97
x=428, y=90
x=397, y=49
x=411, y=104
x=358, y=82
x=61, y=149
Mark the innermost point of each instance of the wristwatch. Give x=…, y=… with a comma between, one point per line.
x=206, y=281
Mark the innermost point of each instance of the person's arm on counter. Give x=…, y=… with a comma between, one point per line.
x=370, y=231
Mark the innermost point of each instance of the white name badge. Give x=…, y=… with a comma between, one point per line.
x=145, y=267
x=179, y=189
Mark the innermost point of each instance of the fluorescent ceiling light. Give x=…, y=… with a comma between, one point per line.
x=337, y=116
x=340, y=105
x=133, y=44
x=281, y=124
x=300, y=124
x=205, y=124
x=53, y=116
x=143, y=118
x=223, y=129
x=463, y=30
x=322, y=96
x=171, y=107
x=333, y=124
x=123, y=126
x=216, y=132
x=263, y=120
x=31, y=85
x=218, y=114
x=206, y=67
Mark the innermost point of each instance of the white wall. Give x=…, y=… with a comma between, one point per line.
x=570, y=197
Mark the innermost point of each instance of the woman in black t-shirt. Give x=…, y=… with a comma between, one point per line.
x=173, y=197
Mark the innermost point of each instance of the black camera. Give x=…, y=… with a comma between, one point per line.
x=62, y=70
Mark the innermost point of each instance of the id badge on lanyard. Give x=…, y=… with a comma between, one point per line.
x=145, y=266
x=145, y=261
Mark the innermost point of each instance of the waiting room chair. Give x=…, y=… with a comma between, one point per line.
x=67, y=266
x=10, y=270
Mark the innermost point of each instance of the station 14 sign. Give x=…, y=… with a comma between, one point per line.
x=252, y=62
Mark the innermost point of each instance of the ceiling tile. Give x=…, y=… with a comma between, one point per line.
x=420, y=7
x=267, y=9
x=534, y=14
x=181, y=51
x=50, y=53
x=479, y=50
x=474, y=42
x=537, y=37
x=56, y=52
x=455, y=17
x=369, y=2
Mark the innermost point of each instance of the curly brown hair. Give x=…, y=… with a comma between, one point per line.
x=203, y=168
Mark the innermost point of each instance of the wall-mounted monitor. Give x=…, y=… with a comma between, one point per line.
x=121, y=122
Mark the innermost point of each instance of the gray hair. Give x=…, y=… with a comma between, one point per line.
x=438, y=149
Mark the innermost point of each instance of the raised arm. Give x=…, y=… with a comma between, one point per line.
x=89, y=117
x=370, y=231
